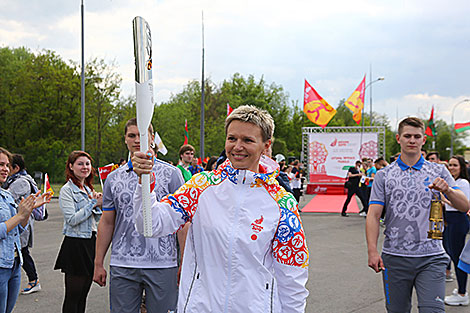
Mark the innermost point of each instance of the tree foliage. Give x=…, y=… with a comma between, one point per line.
x=40, y=113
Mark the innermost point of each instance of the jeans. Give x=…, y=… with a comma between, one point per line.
x=10, y=280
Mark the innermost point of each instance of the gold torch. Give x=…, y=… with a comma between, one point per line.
x=436, y=219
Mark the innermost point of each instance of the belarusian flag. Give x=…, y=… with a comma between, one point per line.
x=460, y=127
x=317, y=109
x=431, y=129
x=229, y=109
x=186, y=132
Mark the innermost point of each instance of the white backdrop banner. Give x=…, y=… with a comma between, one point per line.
x=331, y=154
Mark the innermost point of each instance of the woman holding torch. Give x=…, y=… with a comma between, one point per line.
x=246, y=248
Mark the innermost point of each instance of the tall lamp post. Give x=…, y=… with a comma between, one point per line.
x=83, y=81
x=370, y=96
x=370, y=99
x=452, y=129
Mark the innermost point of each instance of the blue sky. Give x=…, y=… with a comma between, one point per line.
x=422, y=48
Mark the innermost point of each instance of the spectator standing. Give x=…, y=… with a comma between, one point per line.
x=456, y=230
x=186, y=154
x=20, y=184
x=13, y=220
x=195, y=168
x=81, y=207
x=296, y=182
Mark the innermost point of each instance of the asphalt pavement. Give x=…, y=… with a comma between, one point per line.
x=339, y=279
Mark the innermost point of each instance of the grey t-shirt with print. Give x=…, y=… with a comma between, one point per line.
x=404, y=193
x=129, y=248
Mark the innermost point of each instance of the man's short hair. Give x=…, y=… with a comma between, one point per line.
x=17, y=160
x=430, y=153
x=253, y=115
x=411, y=121
x=133, y=122
x=185, y=148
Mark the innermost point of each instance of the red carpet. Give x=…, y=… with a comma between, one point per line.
x=330, y=204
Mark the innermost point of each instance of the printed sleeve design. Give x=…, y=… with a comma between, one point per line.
x=185, y=199
x=289, y=245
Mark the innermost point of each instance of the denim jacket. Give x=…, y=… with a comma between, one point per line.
x=8, y=240
x=78, y=211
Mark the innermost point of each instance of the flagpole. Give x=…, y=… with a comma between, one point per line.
x=201, y=143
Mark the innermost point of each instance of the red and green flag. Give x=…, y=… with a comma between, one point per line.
x=460, y=127
x=431, y=129
x=186, y=132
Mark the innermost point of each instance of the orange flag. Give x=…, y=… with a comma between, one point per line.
x=316, y=108
x=355, y=102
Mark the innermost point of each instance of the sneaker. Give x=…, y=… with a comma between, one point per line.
x=456, y=299
x=33, y=286
x=449, y=279
x=364, y=214
x=344, y=214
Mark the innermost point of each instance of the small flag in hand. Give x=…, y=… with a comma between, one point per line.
x=47, y=185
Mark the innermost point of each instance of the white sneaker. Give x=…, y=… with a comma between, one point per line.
x=363, y=214
x=456, y=299
x=32, y=287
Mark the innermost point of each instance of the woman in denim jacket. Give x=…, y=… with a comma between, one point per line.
x=13, y=220
x=81, y=206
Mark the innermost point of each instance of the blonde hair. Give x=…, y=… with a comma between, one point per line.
x=253, y=115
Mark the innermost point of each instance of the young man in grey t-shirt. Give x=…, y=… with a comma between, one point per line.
x=137, y=263
x=409, y=259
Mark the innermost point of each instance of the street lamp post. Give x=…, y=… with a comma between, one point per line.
x=452, y=127
x=370, y=83
x=82, y=85
x=370, y=95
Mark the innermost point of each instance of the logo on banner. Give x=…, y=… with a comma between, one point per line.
x=318, y=155
x=369, y=150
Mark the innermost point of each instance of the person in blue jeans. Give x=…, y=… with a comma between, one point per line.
x=13, y=220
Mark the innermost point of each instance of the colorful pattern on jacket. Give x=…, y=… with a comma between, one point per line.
x=289, y=245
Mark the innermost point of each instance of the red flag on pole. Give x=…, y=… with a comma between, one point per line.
x=355, y=102
x=186, y=132
x=316, y=108
x=431, y=129
x=106, y=170
x=229, y=109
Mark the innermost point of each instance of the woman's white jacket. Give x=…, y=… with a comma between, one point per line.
x=245, y=250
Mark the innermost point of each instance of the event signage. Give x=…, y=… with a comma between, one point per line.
x=331, y=155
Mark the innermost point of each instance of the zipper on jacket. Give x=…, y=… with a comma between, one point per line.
x=195, y=276
x=230, y=244
x=272, y=294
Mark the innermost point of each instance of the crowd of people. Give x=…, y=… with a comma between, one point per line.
x=227, y=234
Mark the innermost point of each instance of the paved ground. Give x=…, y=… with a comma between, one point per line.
x=339, y=279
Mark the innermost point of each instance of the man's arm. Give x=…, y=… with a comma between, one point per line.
x=103, y=240
x=372, y=236
x=456, y=197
